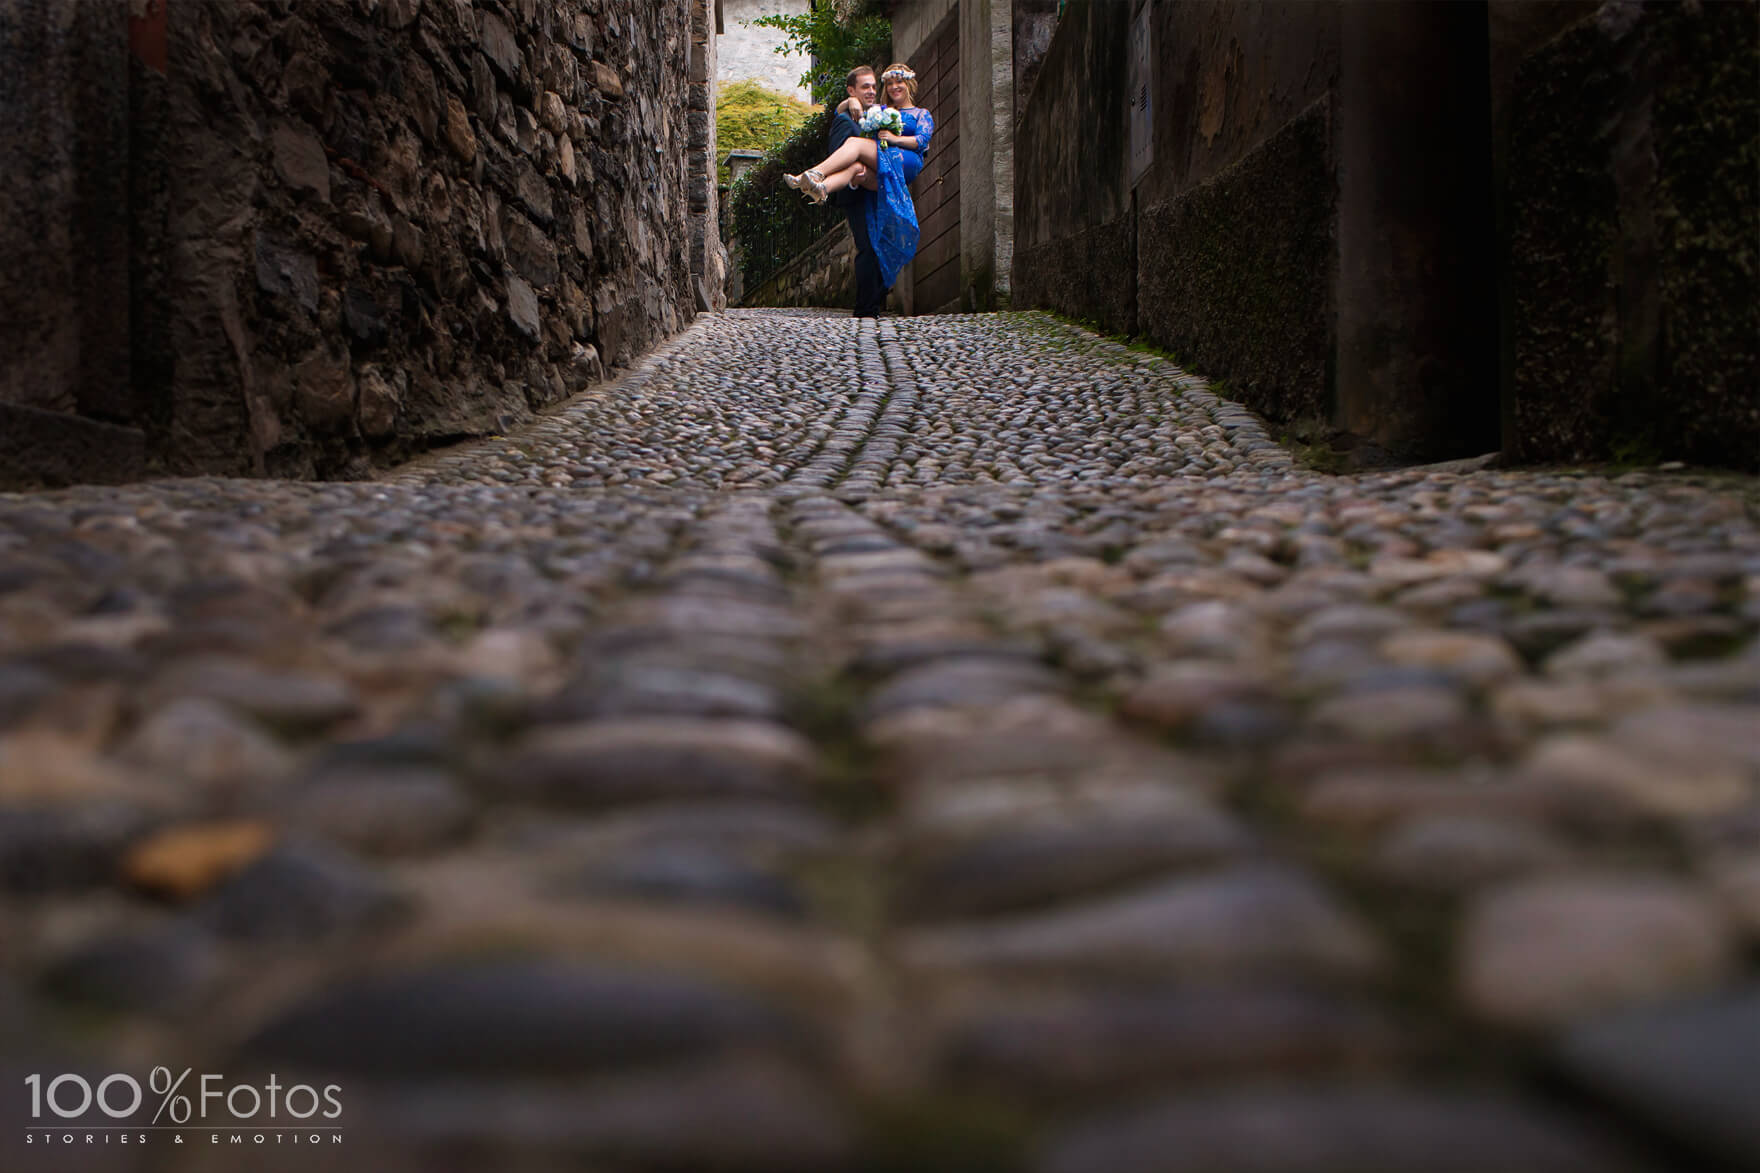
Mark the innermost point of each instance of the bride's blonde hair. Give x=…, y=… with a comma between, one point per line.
x=909, y=78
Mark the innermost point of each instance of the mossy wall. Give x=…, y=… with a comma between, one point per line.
x=1634, y=242
x=1237, y=273
x=1223, y=250
x=1086, y=275
x=1604, y=212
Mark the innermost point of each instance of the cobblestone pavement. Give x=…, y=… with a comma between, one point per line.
x=951, y=744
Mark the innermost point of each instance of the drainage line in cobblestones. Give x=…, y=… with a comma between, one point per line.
x=869, y=472
x=835, y=457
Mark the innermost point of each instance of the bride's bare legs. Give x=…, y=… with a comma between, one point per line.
x=856, y=176
x=853, y=151
x=815, y=180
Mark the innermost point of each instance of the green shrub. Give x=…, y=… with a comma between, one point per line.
x=749, y=117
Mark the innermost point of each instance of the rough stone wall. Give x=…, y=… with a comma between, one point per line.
x=749, y=54
x=1634, y=258
x=395, y=222
x=708, y=260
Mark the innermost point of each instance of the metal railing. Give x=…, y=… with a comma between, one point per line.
x=766, y=224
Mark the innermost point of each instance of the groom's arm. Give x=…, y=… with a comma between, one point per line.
x=843, y=128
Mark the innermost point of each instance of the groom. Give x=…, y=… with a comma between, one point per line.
x=853, y=200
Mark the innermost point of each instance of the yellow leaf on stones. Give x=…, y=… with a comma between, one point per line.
x=186, y=861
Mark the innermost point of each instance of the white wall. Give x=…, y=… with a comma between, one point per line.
x=749, y=53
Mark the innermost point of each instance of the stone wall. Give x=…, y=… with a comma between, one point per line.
x=824, y=274
x=749, y=54
x=304, y=239
x=59, y=137
x=396, y=222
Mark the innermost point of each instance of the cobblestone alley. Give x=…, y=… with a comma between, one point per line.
x=945, y=744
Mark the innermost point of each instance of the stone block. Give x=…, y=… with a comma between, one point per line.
x=300, y=160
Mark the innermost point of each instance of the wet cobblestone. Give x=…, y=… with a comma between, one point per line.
x=939, y=743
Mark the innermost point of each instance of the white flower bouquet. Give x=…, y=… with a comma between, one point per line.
x=879, y=118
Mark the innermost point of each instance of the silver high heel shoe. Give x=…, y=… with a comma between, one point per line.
x=809, y=183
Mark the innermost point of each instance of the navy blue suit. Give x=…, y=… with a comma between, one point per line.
x=853, y=202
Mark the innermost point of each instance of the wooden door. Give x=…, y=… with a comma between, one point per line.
x=936, y=269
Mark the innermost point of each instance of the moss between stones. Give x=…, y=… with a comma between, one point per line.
x=950, y=1133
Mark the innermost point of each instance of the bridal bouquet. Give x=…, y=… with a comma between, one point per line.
x=879, y=118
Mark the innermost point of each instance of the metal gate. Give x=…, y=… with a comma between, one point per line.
x=935, y=272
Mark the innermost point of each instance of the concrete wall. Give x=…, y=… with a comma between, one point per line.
x=330, y=234
x=1035, y=22
x=708, y=259
x=1434, y=228
x=1075, y=227
x=913, y=21
x=986, y=194
x=1415, y=364
x=749, y=54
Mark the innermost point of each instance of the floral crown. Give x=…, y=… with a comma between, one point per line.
x=898, y=75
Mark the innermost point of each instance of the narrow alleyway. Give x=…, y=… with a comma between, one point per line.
x=955, y=743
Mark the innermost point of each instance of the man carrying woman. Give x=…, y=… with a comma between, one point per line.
x=862, y=86
x=885, y=164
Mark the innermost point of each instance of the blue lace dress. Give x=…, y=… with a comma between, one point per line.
x=892, y=217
